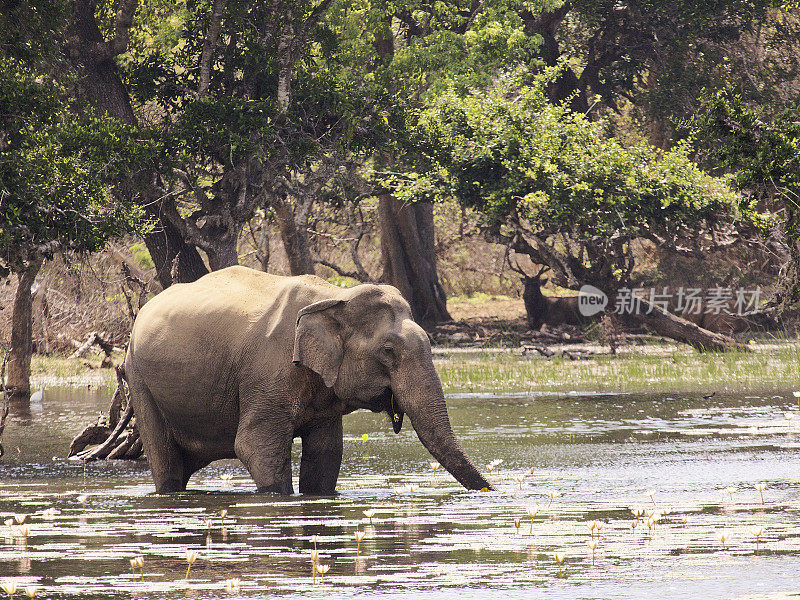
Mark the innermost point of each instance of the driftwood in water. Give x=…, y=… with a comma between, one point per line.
x=96, y=339
x=116, y=435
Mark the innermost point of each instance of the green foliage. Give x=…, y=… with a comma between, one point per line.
x=762, y=151
x=55, y=169
x=141, y=255
x=508, y=150
x=547, y=171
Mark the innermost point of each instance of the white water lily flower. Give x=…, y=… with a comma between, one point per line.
x=9, y=587
x=232, y=585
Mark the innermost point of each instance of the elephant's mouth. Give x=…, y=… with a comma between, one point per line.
x=385, y=402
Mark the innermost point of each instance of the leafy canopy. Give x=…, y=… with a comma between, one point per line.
x=55, y=171
x=547, y=172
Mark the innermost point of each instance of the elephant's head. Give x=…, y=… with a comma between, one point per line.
x=367, y=348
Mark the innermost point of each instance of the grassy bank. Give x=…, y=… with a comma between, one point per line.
x=644, y=369
x=681, y=370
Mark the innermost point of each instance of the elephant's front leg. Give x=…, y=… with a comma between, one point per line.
x=322, y=456
x=265, y=448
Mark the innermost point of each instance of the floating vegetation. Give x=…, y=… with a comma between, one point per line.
x=651, y=490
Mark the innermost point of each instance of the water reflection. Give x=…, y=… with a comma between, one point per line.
x=578, y=458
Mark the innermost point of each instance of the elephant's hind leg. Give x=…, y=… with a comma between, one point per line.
x=165, y=457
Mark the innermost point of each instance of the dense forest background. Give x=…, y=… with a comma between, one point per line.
x=444, y=147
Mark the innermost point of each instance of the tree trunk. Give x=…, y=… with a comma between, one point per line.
x=409, y=257
x=294, y=236
x=175, y=260
x=19, y=358
x=263, y=252
x=223, y=252
x=681, y=330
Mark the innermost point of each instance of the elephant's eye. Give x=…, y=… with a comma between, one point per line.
x=389, y=352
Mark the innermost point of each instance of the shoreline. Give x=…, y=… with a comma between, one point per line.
x=576, y=368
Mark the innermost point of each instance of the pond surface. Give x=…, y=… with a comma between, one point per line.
x=576, y=458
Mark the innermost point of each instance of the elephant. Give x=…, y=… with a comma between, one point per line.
x=240, y=362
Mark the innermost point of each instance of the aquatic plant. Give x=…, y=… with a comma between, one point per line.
x=730, y=489
x=138, y=561
x=314, y=539
x=9, y=587
x=434, y=466
x=517, y=524
x=494, y=464
x=520, y=479
x=322, y=569
x=723, y=538
x=191, y=557
x=761, y=486
x=226, y=478
x=223, y=513
x=532, y=512
x=20, y=519
x=369, y=514
x=359, y=535
x=233, y=585
x=592, y=546
x=651, y=493
x=591, y=526
x=757, y=532
x=650, y=525
x=559, y=556
x=31, y=591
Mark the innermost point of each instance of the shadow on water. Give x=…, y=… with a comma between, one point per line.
x=687, y=466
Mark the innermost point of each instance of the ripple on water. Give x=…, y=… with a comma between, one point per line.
x=593, y=457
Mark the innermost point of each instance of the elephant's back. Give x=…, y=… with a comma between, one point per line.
x=211, y=320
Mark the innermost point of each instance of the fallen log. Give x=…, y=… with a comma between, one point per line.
x=104, y=449
x=93, y=434
x=116, y=436
x=96, y=339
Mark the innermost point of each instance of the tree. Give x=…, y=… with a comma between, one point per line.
x=55, y=169
x=761, y=149
x=652, y=52
x=553, y=185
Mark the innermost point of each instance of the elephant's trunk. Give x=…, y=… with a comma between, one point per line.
x=419, y=394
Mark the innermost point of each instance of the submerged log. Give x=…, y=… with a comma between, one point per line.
x=116, y=436
x=93, y=434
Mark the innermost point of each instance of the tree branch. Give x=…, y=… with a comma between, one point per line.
x=209, y=45
x=122, y=26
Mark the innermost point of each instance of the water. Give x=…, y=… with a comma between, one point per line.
x=596, y=455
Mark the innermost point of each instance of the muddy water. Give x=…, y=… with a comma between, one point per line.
x=575, y=458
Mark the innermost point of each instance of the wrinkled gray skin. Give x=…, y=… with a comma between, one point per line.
x=240, y=362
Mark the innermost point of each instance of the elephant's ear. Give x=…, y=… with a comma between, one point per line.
x=317, y=340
